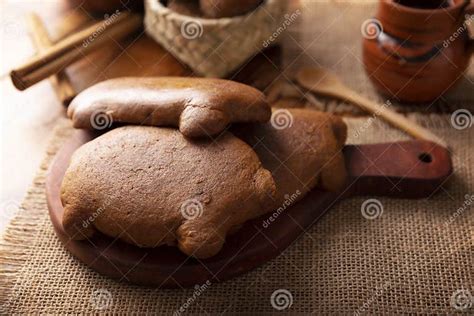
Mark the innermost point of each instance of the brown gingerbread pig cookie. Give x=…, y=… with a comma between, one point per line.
x=151, y=186
x=198, y=106
x=302, y=148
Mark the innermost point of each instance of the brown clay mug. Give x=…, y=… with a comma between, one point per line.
x=415, y=50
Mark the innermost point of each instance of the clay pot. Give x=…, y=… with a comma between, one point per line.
x=416, y=50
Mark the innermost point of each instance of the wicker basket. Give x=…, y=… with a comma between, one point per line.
x=214, y=47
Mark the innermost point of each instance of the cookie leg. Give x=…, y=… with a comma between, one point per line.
x=334, y=174
x=77, y=223
x=339, y=129
x=199, y=240
x=201, y=121
x=265, y=190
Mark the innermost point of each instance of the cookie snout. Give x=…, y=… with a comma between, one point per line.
x=198, y=121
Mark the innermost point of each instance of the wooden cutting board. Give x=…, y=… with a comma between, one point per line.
x=412, y=169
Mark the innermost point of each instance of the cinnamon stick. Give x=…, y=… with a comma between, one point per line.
x=55, y=58
x=60, y=81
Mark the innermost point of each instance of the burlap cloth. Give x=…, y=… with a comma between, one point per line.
x=411, y=259
x=415, y=258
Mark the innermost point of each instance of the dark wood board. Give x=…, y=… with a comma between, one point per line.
x=412, y=169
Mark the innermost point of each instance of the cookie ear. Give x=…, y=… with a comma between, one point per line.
x=201, y=121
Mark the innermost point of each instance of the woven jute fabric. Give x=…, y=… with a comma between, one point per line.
x=416, y=257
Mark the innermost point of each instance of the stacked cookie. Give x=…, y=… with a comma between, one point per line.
x=178, y=174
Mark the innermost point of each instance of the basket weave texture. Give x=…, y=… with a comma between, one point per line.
x=214, y=47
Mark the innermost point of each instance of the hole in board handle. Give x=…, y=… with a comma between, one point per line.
x=425, y=157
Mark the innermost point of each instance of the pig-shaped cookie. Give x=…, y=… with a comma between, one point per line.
x=151, y=186
x=302, y=148
x=199, y=107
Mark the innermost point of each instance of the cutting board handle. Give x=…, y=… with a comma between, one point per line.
x=411, y=169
